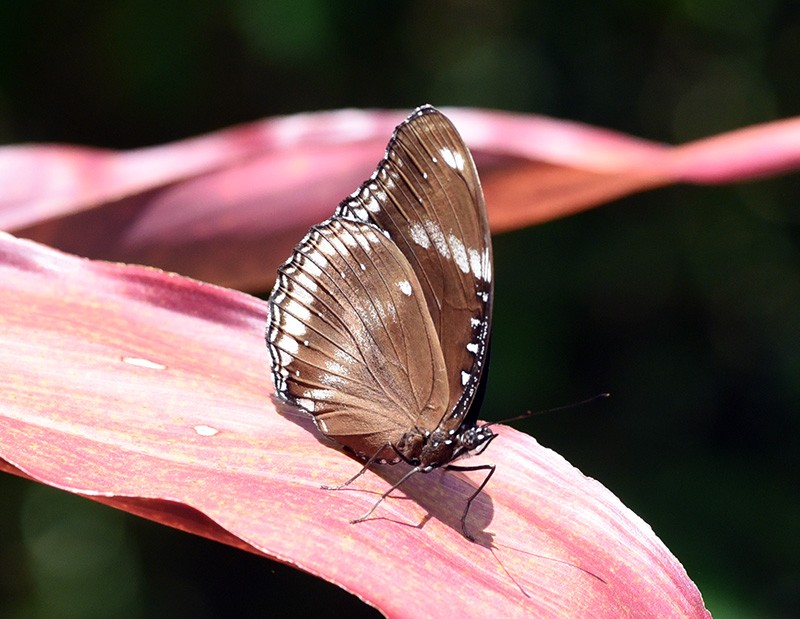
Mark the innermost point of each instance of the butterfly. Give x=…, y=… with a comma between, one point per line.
x=380, y=321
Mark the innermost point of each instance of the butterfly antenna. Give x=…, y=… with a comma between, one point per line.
x=599, y=396
x=553, y=559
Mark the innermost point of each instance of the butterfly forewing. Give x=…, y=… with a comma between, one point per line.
x=351, y=338
x=427, y=196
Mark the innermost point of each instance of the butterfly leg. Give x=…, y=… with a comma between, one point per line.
x=480, y=467
x=363, y=470
x=416, y=469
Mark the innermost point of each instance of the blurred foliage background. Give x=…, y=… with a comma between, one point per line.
x=682, y=302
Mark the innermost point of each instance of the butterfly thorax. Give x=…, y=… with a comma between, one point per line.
x=440, y=447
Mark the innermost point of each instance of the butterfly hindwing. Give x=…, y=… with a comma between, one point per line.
x=351, y=338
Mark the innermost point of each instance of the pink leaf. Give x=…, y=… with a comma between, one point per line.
x=245, y=195
x=149, y=391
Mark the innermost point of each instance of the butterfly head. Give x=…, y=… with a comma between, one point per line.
x=430, y=450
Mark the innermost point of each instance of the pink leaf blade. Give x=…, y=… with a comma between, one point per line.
x=246, y=194
x=56, y=180
x=745, y=154
x=149, y=391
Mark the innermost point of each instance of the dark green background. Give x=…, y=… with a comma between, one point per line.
x=682, y=302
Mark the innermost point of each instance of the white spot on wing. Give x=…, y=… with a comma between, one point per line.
x=287, y=344
x=473, y=348
x=292, y=326
x=437, y=236
x=341, y=355
x=309, y=405
x=318, y=394
x=419, y=236
x=459, y=253
x=405, y=287
x=372, y=205
x=464, y=378
x=284, y=358
x=326, y=247
x=279, y=296
x=476, y=264
x=298, y=309
x=311, y=268
x=306, y=282
x=334, y=375
x=303, y=296
x=452, y=158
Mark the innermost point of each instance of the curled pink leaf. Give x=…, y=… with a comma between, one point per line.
x=246, y=194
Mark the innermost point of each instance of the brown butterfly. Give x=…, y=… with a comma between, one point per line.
x=380, y=321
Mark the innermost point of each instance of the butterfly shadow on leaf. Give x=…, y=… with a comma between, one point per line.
x=442, y=493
